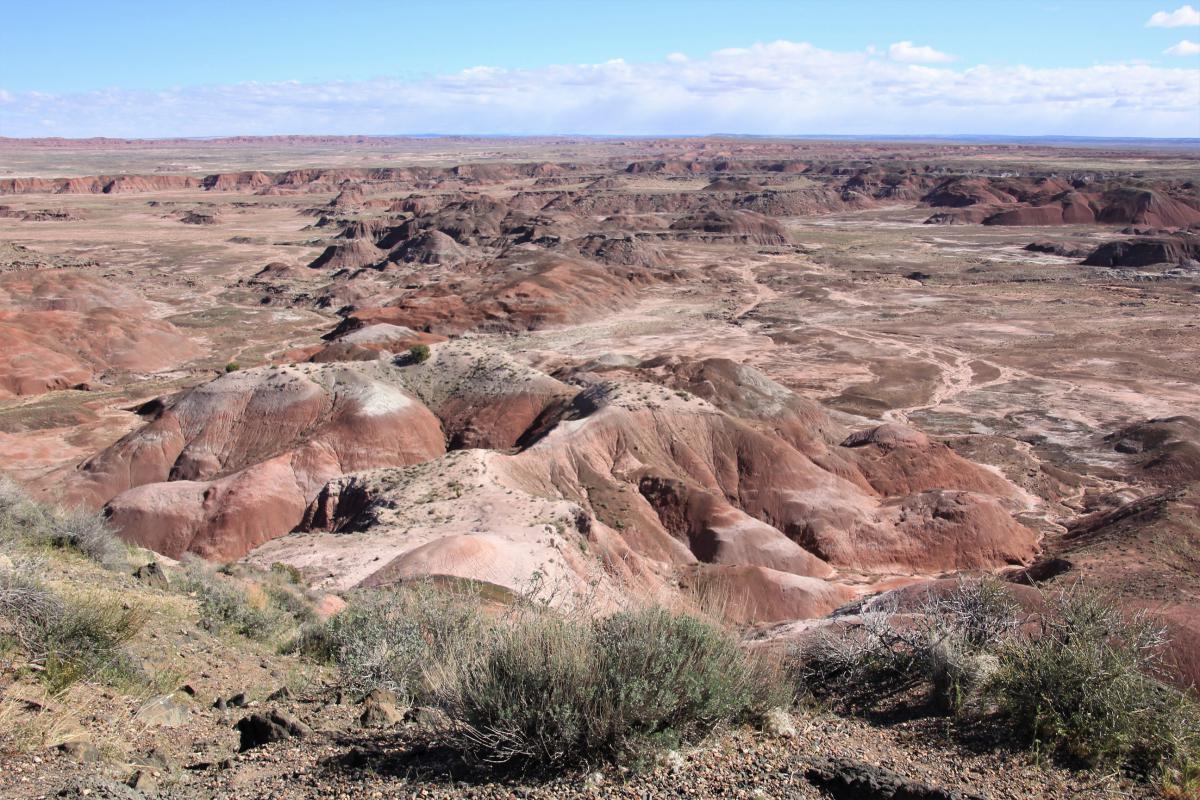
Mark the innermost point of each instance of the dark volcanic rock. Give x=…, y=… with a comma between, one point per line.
x=259, y=729
x=1144, y=252
x=152, y=575
x=1064, y=249
x=844, y=779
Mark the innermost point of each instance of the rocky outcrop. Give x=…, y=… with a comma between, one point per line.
x=1144, y=252
x=523, y=290
x=350, y=254
x=429, y=247
x=845, y=779
x=1164, y=452
x=1064, y=249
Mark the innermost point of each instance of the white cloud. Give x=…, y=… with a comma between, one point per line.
x=774, y=88
x=1182, y=17
x=917, y=54
x=1184, y=48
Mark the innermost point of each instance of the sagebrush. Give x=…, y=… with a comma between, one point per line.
x=63, y=638
x=551, y=690
x=1079, y=679
x=29, y=524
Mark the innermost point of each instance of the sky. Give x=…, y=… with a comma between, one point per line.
x=151, y=68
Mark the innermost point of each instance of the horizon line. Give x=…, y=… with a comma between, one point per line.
x=618, y=136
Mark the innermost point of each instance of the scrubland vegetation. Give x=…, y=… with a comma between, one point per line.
x=1077, y=680
x=537, y=688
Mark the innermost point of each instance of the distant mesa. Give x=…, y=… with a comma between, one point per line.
x=741, y=226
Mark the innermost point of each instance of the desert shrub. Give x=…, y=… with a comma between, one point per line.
x=65, y=638
x=18, y=514
x=410, y=640
x=669, y=676
x=313, y=642
x=552, y=690
x=232, y=366
x=533, y=695
x=90, y=534
x=1085, y=687
x=291, y=600
x=239, y=606
x=419, y=353
x=289, y=572
x=26, y=522
x=945, y=646
x=1082, y=681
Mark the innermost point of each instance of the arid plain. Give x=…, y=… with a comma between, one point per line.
x=795, y=373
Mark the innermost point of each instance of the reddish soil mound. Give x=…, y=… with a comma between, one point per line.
x=732, y=185
x=429, y=247
x=1048, y=201
x=64, y=329
x=1150, y=207
x=351, y=254
x=524, y=290
x=232, y=463
x=758, y=594
x=278, y=270
x=896, y=460
x=624, y=250
x=236, y=181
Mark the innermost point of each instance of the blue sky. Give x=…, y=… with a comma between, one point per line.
x=601, y=66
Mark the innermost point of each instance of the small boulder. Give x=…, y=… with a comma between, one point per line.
x=80, y=750
x=273, y=726
x=143, y=781
x=379, y=710
x=152, y=575
x=847, y=779
x=157, y=760
x=778, y=722
x=163, y=712
x=282, y=693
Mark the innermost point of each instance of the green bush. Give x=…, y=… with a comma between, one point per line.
x=1084, y=687
x=669, y=676
x=232, y=366
x=289, y=572
x=419, y=353
x=552, y=691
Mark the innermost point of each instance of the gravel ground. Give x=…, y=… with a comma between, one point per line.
x=342, y=760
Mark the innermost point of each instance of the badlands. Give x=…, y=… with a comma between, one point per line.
x=801, y=374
